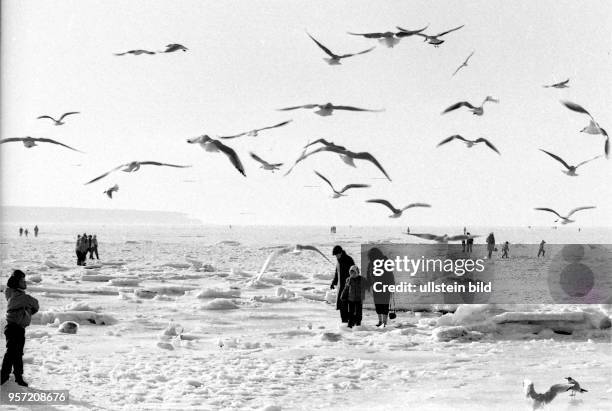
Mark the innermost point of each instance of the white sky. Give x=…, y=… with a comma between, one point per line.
x=248, y=58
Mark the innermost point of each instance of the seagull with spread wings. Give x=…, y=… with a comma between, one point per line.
x=464, y=64
x=334, y=59
x=571, y=170
x=566, y=219
x=58, y=122
x=297, y=249
x=478, y=111
x=389, y=38
x=340, y=193
x=593, y=127
x=30, y=142
x=264, y=164
x=469, y=143
x=109, y=192
x=327, y=109
x=174, y=47
x=443, y=238
x=135, y=52
x=396, y=212
x=255, y=132
x=561, y=84
x=215, y=146
x=433, y=39
x=133, y=166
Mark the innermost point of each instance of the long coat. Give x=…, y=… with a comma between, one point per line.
x=343, y=266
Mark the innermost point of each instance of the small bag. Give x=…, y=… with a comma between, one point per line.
x=392, y=312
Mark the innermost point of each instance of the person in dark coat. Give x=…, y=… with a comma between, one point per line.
x=354, y=294
x=345, y=262
x=19, y=311
x=490, y=244
x=380, y=293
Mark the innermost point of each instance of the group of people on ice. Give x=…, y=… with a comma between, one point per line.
x=86, y=244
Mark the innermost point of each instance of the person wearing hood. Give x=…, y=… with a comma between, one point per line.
x=345, y=262
x=19, y=311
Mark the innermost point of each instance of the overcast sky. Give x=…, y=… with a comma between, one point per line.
x=248, y=58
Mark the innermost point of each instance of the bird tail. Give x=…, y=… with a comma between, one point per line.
x=583, y=390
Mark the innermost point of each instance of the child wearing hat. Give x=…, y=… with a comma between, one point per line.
x=354, y=294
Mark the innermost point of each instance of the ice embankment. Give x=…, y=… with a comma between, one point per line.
x=220, y=304
x=79, y=317
x=218, y=293
x=473, y=322
x=55, y=266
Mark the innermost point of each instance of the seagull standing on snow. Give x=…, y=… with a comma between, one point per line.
x=254, y=132
x=58, y=122
x=134, y=166
x=464, y=64
x=571, y=170
x=539, y=400
x=215, y=146
x=334, y=59
x=593, y=127
x=396, y=212
x=328, y=108
x=112, y=190
x=293, y=250
x=566, y=219
x=338, y=194
x=30, y=142
x=469, y=143
x=264, y=164
x=478, y=111
x=575, y=386
x=561, y=84
x=433, y=39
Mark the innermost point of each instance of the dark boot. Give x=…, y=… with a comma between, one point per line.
x=19, y=380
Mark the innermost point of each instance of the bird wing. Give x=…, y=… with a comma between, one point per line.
x=369, y=157
x=405, y=33
x=451, y=138
x=368, y=35
x=156, y=163
x=416, y=205
x=457, y=105
x=302, y=156
x=235, y=135
x=385, y=203
x=325, y=143
x=296, y=107
x=356, y=54
x=349, y=186
x=458, y=68
x=284, y=123
x=578, y=209
x=68, y=114
x=548, y=209
x=425, y=236
x=49, y=117
x=231, y=154
x=311, y=248
x=259, y=159
x=11, y=139
x=350, y=108
x=468, y=58
x=559, y=159
x=324, y=179
x=488, y=143
x=325, y=49
x=577, y=108
x=607, y=146
x=105, y=174
x=48, y=140
x=269, y=260
x=448, y=31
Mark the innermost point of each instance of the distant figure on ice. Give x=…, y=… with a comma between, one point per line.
x=83, y=248
x=20, y=231
x=345, y=262
x=505, y=250
x=26, y=232
x=490, y=244
x=77, y=250
x=463, y=243
x=94, y=248
x=35, y=231
x=541, y=251
x=89, y=247
x=469, y=243
x=332, y=230
x=354, y=294
x=379, y=283
x=19, y=310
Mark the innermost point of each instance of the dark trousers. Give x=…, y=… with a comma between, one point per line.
x=92, y=251
x=13, y=358
x=79, y=257
x=354, y=313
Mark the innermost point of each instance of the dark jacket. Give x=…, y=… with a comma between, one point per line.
x=20, y=307
x=343, y=266
x=354, y=289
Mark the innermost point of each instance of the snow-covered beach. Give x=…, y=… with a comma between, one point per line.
x=170, y=318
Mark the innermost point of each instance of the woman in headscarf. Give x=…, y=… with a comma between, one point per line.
x=379, y=285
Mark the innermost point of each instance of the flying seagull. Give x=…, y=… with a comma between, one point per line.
x=397, y=212
x=443, y=238
x=575, y=386
x=593, y=127
x=464, y=64
x=134, y=166
x=407, y=33
x=479, y=111
x=284, y=250
x=58, y=122
x=571, y=170
x=327, y=108
x=346, y=155
x=174, y=47
x=30, y=142
x=433, y=39
x=340, y=193
x=561, y=84
x=264, y=164
x=212, y=145
x=334, y=59
x=566, y=219
x=469, y=143
x=389, y=38
x=135, y=52
x=112, y=190
x=539, y=400
x=254, y=132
